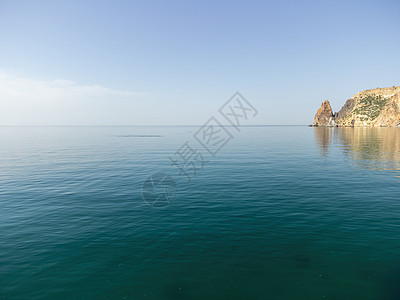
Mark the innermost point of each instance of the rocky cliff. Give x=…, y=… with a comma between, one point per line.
x=376, y=107
x=324, y=114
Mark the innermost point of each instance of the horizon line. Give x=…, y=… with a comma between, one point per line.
x=142, y=125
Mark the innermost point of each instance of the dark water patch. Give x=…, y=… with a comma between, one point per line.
x=139, y=136
x=176, y=290
x=302, y=260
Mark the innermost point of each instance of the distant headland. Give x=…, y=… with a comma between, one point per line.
x=378, y=107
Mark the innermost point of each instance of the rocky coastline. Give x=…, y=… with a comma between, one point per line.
x=378, y=107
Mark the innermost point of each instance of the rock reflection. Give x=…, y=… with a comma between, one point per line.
x=323, y=137
x=372, y=148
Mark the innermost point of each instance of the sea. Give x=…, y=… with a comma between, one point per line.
x=173, y=212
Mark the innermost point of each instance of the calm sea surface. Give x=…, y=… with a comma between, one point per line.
x=279, y=213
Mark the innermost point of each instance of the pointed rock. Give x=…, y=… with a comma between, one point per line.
x=324, y=115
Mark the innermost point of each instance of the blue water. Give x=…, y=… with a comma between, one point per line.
x=279, y=213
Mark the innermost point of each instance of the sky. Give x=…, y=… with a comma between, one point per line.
x=177, y=62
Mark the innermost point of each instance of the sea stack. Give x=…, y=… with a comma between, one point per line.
x=324, y=115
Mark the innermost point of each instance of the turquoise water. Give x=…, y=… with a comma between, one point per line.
x=279, y=213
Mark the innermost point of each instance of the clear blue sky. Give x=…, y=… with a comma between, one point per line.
x=177, y=62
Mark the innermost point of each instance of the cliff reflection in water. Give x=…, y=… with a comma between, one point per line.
x=372, y=148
